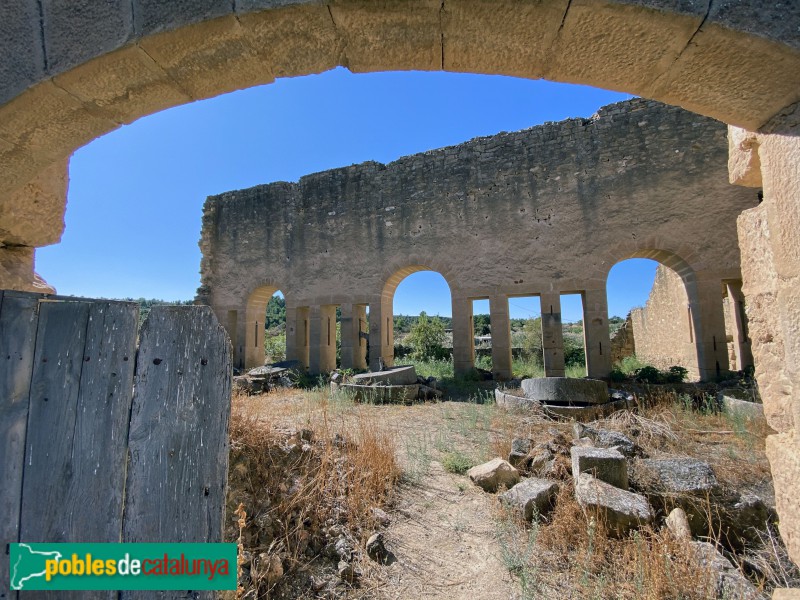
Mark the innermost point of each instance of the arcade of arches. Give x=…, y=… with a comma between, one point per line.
x=71, y=71
x=504, y=216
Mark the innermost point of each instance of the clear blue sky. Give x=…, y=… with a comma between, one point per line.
x=136, y=194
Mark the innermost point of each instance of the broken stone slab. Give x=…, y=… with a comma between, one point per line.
x=687, y=483
x=266, y=372
x=743, y=517
x=619, y=509
x=739, y=408
x=606, y=464
x=730, y=583
x=566, y=390
x=401, y=375
x=674, y=476
x=531, y=496
x=382, y=394
x=494, y=474
x=606, y=438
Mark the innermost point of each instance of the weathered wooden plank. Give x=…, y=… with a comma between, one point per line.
x=178, y=438
x=55, y=384
x=18, y=320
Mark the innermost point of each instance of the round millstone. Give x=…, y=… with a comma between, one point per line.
x=564, y=390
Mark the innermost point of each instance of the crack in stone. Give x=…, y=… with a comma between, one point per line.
x=41, y=33
x=165, y=73
x=441, y=33
x=93, y=110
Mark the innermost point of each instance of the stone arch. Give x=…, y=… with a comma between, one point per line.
x=704, y=317
x=381, y=316
x=252, y=329
x=70, y=76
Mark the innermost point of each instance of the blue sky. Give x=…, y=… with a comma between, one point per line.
x=136, y=195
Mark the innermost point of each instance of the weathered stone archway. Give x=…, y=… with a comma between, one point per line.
x=73, y=71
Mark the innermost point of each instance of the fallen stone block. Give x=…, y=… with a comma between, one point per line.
x=492, y=475
x=730, y=583
x=606, y=464
x=531, y=496
x=674, y=476
x=620, y=510
x=402, y=375
x=566, y=390
x=606, y=438
x=520, y=448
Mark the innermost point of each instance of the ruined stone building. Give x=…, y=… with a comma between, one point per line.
x=70, y=72
x=541, y=212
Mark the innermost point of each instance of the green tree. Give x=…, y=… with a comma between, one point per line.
x=427, y=338
x=532, y=339
x=481, y=323
x=276, y=313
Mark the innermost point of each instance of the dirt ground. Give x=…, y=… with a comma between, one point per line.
x=444, y=532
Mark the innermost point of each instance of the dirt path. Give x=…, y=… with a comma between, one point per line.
x=443, y=533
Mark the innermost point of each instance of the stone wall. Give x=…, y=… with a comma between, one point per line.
x=622, y=342
x=546, y=210
x=662, y=328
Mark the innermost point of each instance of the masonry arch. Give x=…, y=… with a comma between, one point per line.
x=695, y=328
x=71, y=76
x=385, y=348
x=252, y=329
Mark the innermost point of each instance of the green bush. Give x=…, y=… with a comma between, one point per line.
x=456, y=462
x=427, y=338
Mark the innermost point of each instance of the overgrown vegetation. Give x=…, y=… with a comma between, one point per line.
x=631, y=368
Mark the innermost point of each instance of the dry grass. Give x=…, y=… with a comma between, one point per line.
x=297, y=496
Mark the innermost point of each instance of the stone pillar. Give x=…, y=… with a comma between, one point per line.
x=300, y=330
x=381, y=333
x=254, y=335
x=501, y=337
x=322, y=349
x=769, y=237
x=231, y=320
x=596, y=338
x=463, y=336
x=744, y=354
x=552, y=334
x=354, y=320
x=708, y=317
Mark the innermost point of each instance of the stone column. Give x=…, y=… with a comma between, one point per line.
x=552, y=334
x=744, y=354
x=231, y=320
x=597, y=340
x=302, y=335
x=501, y=337
x=463, y=335
x=254, y=335
x=381, y=333
x=322, y=350
x=354, y=319
x=708, y=316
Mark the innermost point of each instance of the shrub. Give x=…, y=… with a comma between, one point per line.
x=427, y=338
x=456, y=462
